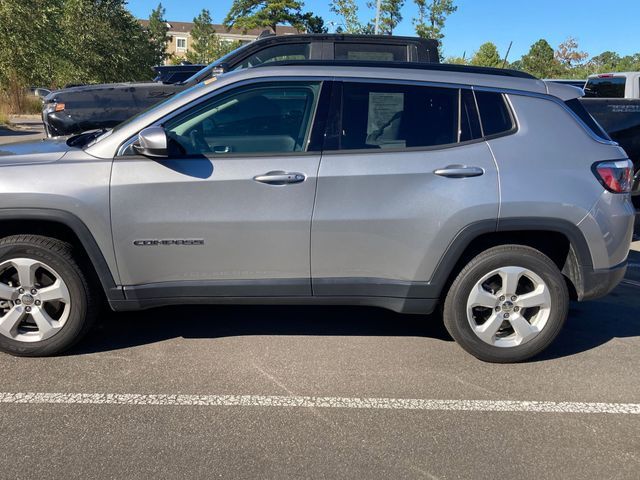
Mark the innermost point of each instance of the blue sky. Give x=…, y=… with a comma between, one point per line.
x=475, y=22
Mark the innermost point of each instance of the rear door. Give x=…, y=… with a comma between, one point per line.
x=403, y=171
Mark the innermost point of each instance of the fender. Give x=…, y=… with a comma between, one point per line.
x=77, y=226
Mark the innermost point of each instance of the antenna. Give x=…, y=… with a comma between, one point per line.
x=504, y=64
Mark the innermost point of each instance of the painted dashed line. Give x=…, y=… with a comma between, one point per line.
x=318, y=402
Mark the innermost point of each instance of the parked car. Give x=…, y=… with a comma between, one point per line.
x=613, y=99
x=89, y=107
x=404, y=186
x=176, y=73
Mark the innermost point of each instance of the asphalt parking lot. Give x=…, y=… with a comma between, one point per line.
x=325, y=392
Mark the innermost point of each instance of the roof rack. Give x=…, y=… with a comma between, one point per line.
x=441, y=67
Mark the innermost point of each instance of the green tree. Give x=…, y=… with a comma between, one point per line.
x=541, y=61
x=431, y=18
x=30, y=34
x=456, y=61
x=108, y=45
x=206, y=46
x=605, y=62
x=157, y=31
x=312, y=23
x=390, y=14
x=202, y=38
x=348, y=10
x=248, y=14
x=487, y=56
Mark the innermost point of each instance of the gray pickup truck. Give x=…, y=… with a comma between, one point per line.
x=89, y=107
x=613, y=99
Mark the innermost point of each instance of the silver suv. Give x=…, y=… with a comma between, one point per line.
x=489, y=193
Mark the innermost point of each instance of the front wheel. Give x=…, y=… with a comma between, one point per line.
x=507, y=304
x=45, y=300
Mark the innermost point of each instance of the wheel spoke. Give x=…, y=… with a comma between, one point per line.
x=7, y=292
x=46, y=325
x=510, y=279
x=58, y=291
x=11, y=320
x=524, y=330
x=540, y=297
x=479, y=297
x=26, y=271
x=488, y=329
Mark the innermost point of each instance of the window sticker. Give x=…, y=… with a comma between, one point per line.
x=383, y=123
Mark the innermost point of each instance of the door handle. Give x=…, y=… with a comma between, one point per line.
x=280, y=178
x=459, y=171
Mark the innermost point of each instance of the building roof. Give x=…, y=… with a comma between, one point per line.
x=186, y=27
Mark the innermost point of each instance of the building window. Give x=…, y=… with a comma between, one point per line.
x=181, y=44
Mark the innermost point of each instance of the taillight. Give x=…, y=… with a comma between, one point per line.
x=616, y=176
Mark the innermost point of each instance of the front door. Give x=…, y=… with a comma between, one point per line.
x=228, y=214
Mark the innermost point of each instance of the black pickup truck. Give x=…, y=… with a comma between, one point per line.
x=613, y=99
x=89, y=107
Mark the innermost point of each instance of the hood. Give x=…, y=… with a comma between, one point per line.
x=109, y=89
x=31, y=152
x=102, y=86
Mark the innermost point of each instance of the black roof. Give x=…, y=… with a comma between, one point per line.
x=443, y=67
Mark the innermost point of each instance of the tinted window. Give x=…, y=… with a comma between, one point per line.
x=589, y=121
x=469, y=121
x=380, y=116
x=277, y=53
x=370, y=52
x=257, y=119
x=494, y=113
x=605, y=87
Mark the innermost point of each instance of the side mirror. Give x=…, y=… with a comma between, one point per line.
x=152, y=142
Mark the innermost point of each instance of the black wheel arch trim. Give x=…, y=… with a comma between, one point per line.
x=78, y=227
x=579, y=256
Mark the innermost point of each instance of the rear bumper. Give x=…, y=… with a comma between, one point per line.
x=598, y=283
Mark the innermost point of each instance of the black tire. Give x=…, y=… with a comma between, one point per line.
x=455, y=305
x=83, y=309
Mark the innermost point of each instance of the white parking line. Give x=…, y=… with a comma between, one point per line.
x=318, y=402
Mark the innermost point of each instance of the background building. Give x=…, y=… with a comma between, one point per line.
x=180, y=35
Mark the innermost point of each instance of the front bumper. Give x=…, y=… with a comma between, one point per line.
x=598, y=283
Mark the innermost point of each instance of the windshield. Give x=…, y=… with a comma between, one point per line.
x=207, y=72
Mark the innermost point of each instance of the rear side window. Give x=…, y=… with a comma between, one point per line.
x=495, y=116
x=576, y=107
x=605, y=87
x=390, y=116
x=370, y=52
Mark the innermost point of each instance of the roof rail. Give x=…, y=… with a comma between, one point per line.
x=441, y=67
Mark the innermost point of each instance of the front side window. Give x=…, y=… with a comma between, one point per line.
x=383, y=116
x=267, y=118
x=277, y=53
x=605, y=87
x=370, y=52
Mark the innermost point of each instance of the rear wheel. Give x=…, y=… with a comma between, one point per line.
x=45, y=300
x=507, y=305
